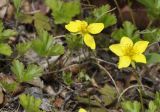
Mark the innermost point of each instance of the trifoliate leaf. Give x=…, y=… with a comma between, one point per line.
x=128, y=30
x=63, y=12
x=44, y=46
x=25, y=75
x=5, y=49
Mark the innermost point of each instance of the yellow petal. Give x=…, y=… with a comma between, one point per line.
x=139, y=58
x=124, y=61
x=82, y=110
x=116, y=48
x=76, y=26
x=126, y=42
x=95, y=28
x=140, y=46
x=89, y=41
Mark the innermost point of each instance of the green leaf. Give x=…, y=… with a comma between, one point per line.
x=74, y=42
x=108, y=94
x=63, y=12
x=129, y=106
x=5, y=49
x=153, y=58
x=153, y=8
x=30, y=103
x=18, y=70
x=1, y=26
x=56, y=49
x=152, y=107
x=7, y=33
x=22, y=48
x=25, y=75
x=151, y=35
x=128, y=30
x=67, y=77
x=157, y=99
x=9, y=86
x=102, y=15
x=41, y=22
x=44, y=46
x=32, y=72
x=17, y=4
x=25, y=18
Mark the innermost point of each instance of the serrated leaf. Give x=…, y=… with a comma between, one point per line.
x=128, y=30
x=25, y=18
x=56, y=49
x=153, y=8
x=151, y=35
x=153, y=58
x=32, y=72
x=25, y=75
x=5, y=49
x=102, y=15
x=30, y=103
x=22, y=48
x=108, y=94
x=44, y=46
x=41, y=22
x=9, y=87
x=129, y=106
x=67, y=77
x=7, y=33
x=18, y=70
x=17, y=3
x=152, y=107
x=63, y=12
x=74, y=42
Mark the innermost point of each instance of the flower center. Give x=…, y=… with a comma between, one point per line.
x=128, y=51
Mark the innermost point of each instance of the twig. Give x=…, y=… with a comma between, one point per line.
x=130, y=87
x=109, y=76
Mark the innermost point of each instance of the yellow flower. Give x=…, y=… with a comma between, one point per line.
x=82, y=110
x=85, y=30
x=128, y=52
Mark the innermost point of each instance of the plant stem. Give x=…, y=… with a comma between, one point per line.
x=131, y=12
x=119, y=10
x=140, y=88
x=150, y=23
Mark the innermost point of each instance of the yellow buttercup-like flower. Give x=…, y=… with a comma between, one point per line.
x=128, y=52
x=85, y=30
x=82, y=110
